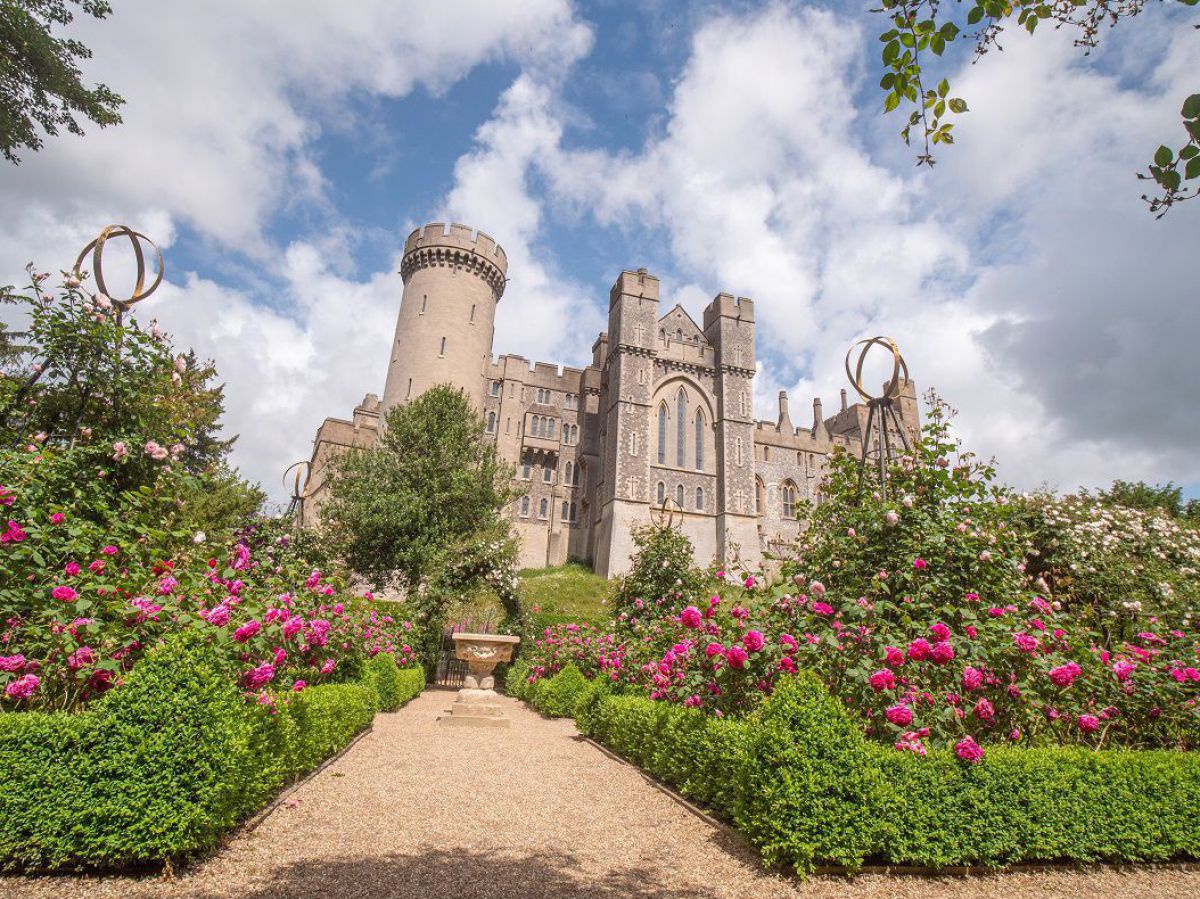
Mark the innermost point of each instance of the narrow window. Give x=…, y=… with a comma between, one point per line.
x=574, y=434
x=491, y=422
x=699, y=440
x=576, y=481
x=566, y=511
x=789, y=500
x=758, y=496
x=766, y=454
x=547, y=472
x=699, y=499
x=737, y=450
x=567, y=478
x=543, y=508
x=662, y=434
x=472, y=313
x=633, y=443
x=679, y=334
x=443, y=352
x=551, y=432
x=495, y=388
x=409, y=394
x=681, y=429
x=679, y=495
x=799, y=458
x=572, y=513
x=527, y=469
x=508, y=426
x=525, y=506
x=423, y=301
x=662, y=492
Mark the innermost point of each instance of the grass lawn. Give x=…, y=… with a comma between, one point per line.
x=570, y=592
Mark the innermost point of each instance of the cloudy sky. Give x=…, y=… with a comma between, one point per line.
x=281, y=151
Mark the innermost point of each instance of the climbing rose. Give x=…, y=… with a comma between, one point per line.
x=920, y=564
x=246, y=631
x=65, y=594
x=1064, y=675
x=900, y=715
x=256, y=677
x=891, y=518
x=714, y=649
x=81, y=658
x=822, y=608
x=893, y=657
x=753, y=641
x=328, y=666
x=968, y=750
x=984, y=711
x=691, y=617
x=919, y=649
x=57, y=518
x=881, y=680
x=298, y=686
x=940, y=631
x=736, y=657
x=23, y=687
x=1123, y=670
x=1088, y=723
x=942, y=652
x=1025, y=642
x=972, y=678
x=12, y=663
x=71, y=569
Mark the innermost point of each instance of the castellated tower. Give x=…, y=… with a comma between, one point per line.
x=453, y=280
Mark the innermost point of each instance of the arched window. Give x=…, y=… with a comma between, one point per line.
x=681, y=430
x=679, y=495
x=543, y=508
x=789, y=499
x=662, y=492
x=699, y=440
x=548, y=471
x=525, y=505
x=550, y=424
x=679, y=334
x=576, y=480
x=574, y=434
x=662, y=434
x=759, y=496
x=567, y=479
x=572, y=512
x=491, y=422
x=737, y=450
x=699, y=499
x=566, y=510
x=527, y=468
x=495, y=388
x=766, y=454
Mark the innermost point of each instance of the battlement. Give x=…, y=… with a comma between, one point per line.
x=460, y=247
x=535, y=374
x=724, y=305
x=636, y=284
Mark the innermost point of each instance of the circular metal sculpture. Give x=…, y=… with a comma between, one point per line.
x=883, y=423
x=96, y=248
x=894, y=385
x=663, y=515
x=303, y=470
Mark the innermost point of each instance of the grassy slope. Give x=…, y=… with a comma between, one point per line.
x=570, y=592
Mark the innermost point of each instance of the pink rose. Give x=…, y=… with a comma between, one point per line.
x=328, y=666
x=736, y=657
x=691, y=617
x=64, y=594
x=71, y=569
x=246, y=631
x=81, y=658
x=968, y=750
x=23, y=687
x=1064, y=675
x=893, y=657
x=57, y=518
x=12, y=663
x=714, y=649
x=881, y=680
x=920, y=564
x=972, y=678
x=919, y=649
x=984, y=711
x=1088, y=723
x=110, y=550
x=940, y=631
x=900, y=715
x=753, y=641
x=1123, y=670
x=942, y=652
x=298, y=686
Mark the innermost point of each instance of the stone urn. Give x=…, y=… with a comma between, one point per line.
x=477, y=704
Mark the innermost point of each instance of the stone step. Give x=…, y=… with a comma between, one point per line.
x=474, y=721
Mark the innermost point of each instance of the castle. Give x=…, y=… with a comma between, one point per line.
x=664, y=412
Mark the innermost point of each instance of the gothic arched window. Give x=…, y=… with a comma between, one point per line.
x=525, y=505
x=679, y=495
x=567, y=479
x=699, y=499
x=543, y=508
x=662, y=492
x=759, y=496
x=662, y=434
x=699, y=440
x=491, y=423
x=681, y=430
x=789, y=499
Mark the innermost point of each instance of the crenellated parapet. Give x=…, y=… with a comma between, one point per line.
x=460, y=249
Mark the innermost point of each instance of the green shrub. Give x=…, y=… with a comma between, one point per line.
x=556, y=696
x=587, y=701
x=394, y=685
x=1042, y=805
x=163, y=765
x=515, y=679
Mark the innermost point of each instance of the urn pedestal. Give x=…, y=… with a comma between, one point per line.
x=477, y=704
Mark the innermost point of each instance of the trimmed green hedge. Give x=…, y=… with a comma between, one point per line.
x=809, y=790
x=515, y=683
x=162, y=766
x=556, y=696
x=395, y=686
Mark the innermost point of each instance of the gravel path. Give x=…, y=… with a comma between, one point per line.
x=420, y=810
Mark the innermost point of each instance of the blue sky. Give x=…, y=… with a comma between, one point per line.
x=282, y=151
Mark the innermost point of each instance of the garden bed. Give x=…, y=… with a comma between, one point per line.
x=163, y=766
x=798, y=779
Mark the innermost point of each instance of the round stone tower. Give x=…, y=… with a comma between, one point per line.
x=453, y=280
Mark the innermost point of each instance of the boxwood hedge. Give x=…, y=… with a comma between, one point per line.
x=801, y=782
x=163, y=765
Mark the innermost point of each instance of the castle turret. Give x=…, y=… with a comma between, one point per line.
x=453, y=280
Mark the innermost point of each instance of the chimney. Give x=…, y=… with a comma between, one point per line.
x=843, y=399
x=818, y=428
x=785, y=421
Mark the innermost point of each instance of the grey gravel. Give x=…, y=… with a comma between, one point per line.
x=415, y=809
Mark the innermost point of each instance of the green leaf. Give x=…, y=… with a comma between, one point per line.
x=937, y=45
x=1191, y=107
x=1193, y=168
x=1170, y=179
x=957, y=105
x=943, y=88
x=891, y=102
x=975, y=16
x=1163, y=156
x=890, y=52
x=888, y=81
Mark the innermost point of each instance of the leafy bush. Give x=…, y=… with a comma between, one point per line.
x=556, y=696
x=516, y=679
x=662, y=572
x=799, y=780
x=161, y=767
x=393, y=684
